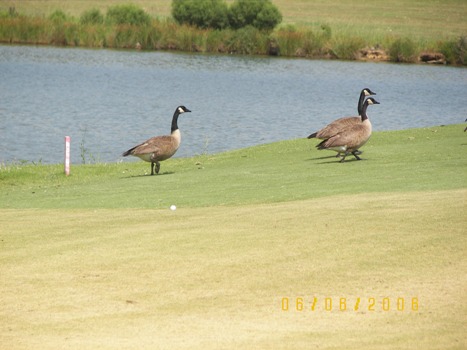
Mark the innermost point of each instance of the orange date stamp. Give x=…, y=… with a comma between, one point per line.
x=354, y=304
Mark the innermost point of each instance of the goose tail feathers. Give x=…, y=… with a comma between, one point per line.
x=127, y=153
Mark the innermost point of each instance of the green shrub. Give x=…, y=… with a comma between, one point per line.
x=201, y=13
x=248, y=41
x=402, y=50
x=261, y=14
x=127, y=14
x=216, y=14
x=92, y=16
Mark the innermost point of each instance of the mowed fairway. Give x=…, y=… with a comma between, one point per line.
x=275, y=246
x=213, y=278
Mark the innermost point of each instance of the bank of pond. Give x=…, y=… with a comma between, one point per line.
x=286, y=40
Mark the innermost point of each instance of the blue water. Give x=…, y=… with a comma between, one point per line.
x=109, y=100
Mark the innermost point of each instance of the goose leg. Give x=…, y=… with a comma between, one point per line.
x=355, y=154
x=152, y=168
x=343, y=157
x=158, y=166
x=339, y=154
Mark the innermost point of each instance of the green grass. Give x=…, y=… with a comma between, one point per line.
x=410, y=160
x=415, y=19
x=97, y=260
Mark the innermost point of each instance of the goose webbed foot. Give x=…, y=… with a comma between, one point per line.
x=356, y=153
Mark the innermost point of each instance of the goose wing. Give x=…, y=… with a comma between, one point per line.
x=335, y=127
x=349, y=137
x=155, y=145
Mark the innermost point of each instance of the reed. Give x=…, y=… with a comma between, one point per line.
x=402, y=50
x=92, y=16
x=347, y=48
x=92, y=36
x=455, y=51
x=92, y=29
x=215, y=41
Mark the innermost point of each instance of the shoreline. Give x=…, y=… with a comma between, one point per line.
x=26, y=163
x=366, y=55
x=285, y=41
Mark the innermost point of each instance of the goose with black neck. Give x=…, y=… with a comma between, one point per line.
x=341, y=123
x=350, y=139
x=159, y=148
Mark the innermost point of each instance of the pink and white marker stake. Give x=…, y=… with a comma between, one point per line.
x=67, y=155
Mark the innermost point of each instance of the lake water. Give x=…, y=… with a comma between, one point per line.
x=109, y=100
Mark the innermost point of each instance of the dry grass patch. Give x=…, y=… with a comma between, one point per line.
x=215, y=277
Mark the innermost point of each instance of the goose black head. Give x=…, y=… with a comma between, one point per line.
x=371, y=101
x=182, y=109
x=368, y=92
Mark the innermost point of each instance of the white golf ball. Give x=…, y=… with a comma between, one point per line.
x=173, y=207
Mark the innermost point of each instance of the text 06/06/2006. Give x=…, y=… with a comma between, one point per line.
x=371, y=304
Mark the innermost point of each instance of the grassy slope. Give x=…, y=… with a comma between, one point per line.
x=296, y=224
x=430, y=19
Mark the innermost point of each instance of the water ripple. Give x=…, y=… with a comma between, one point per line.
x=109, y=100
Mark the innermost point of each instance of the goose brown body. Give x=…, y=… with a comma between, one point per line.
x=159, y=148
x=342, y=123
x=350, y=139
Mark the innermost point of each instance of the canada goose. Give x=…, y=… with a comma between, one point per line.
x=159, y=148
x=341, y=123
x=351, y=138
